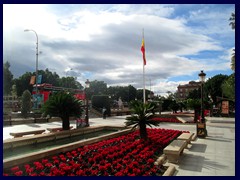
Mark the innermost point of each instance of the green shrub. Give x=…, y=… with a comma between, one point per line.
x=100, y=101
x=26, y=103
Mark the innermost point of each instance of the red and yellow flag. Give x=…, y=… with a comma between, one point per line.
x=143, y=51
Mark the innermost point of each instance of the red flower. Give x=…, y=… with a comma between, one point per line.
x=27, y=166
x=80, y=173
x=18, y=173
x=119, y=174
x=44, y=161
x=42, y=174
x=29, y=170
x=15, y=169
x=102, y=168
x=34, y=174
x=48, y=165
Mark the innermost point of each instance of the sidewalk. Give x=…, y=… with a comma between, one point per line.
x=212, y=156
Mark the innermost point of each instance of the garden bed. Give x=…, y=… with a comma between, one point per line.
x=165, y=118
x=126, y=155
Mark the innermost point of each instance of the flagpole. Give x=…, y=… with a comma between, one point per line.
x=144, y=94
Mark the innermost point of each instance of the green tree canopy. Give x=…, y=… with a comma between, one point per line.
x=23, y=83
x=127, y=93
x=213, y=87
x=96, y=88
x=7, y=79
x=228, y=87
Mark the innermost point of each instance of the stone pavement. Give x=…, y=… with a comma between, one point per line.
x=212, y=156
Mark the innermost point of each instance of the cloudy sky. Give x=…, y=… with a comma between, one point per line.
x=102, y=42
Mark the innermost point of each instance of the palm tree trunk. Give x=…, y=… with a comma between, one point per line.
x=65, y=123
x=143, y=131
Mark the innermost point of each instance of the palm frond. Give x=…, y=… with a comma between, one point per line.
x=142, y=116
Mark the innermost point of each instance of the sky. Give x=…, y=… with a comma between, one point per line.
x=103, y=41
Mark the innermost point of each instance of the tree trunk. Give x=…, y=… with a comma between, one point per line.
x=143, y=131
x=196, y=114
x=65, y=123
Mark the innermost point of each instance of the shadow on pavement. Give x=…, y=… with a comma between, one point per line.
x=198, y=148
x=220, y=139
x=213, y=165
x=33, y=125
x=196, y=163
x=191, y=162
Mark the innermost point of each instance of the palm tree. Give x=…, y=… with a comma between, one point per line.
x=142, y=117
x=232, y=19
x=63, y=105
x=232, y=24
x=233, y=60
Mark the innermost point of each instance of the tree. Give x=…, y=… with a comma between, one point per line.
x=232, y=24
x=49, y=77
x=171, y=96
x=70, y=82
x=132, y=93
x=23, y=83
x=174, y=106
x=26, y=103
x=228, y=87
x=7, y=79
x=142, y=117
x=232, y=19
x=194, y=94
x=96, y=88
x=140, y=94
x=213, y=87
x=63, y=105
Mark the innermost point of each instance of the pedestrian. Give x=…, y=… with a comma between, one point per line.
x=104, y=112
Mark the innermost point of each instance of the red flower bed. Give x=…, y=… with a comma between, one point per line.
x=166, y=119
x=125, y=155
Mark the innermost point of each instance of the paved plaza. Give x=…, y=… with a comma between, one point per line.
x=212, y=156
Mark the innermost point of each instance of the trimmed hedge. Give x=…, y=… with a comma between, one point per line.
x=100, y=101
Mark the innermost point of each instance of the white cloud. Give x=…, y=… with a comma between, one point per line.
x=103, y=42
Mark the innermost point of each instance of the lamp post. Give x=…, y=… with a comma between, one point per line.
x=201, y=127
x=27, y=30
x=87, y=85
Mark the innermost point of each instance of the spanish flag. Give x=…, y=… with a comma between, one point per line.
x=143, y=51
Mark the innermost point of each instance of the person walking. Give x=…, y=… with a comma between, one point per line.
x=104, y=112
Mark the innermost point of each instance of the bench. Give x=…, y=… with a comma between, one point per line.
x=187, y=137
x=57, y=129
x=20, y=134
x=174, y=150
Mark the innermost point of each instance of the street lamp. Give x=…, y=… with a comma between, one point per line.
x=87, y=85
x=27, y=30
x=201, y=127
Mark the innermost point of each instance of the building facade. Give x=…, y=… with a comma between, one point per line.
x=183, y=90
